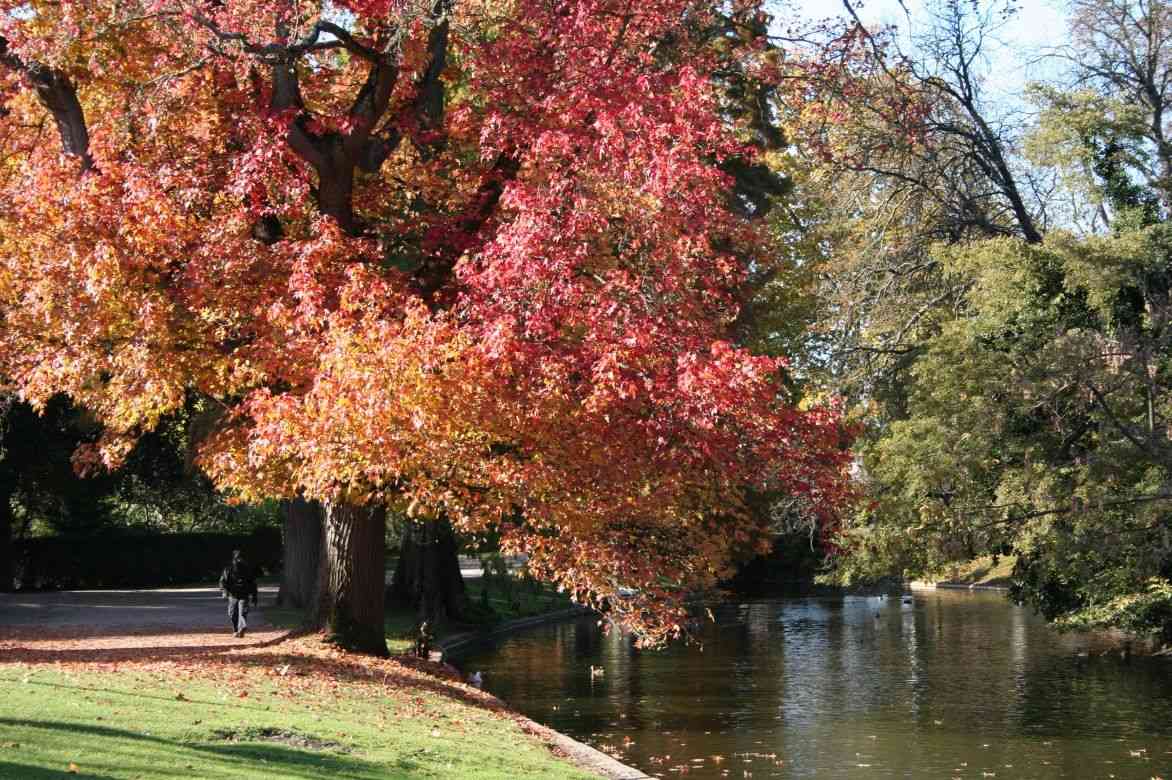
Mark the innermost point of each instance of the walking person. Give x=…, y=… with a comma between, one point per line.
x=238, y=585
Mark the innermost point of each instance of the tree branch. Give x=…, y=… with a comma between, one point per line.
x=58, y=95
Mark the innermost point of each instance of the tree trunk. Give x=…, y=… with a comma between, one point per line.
x=352, y=577
x=302, y=537
x=335, y=190
x=6, y=547
x=427, y=577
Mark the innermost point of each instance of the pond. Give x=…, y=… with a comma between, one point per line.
x=945, y=684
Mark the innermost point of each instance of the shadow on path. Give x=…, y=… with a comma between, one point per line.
x=154, y=645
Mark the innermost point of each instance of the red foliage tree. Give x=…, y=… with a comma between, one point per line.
x=470, y=259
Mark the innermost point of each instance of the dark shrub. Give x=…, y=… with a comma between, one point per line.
x=132, y=561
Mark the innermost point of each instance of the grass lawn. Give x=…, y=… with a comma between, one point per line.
x=291, y=710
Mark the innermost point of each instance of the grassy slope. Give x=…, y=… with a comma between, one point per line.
x=187, y=719
x=981, y=571
x=151, y=721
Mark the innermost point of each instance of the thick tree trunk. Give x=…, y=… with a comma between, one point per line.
x=302, y=537
x=427, y=577
x=352, y=577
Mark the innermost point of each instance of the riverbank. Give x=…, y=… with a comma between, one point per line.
x=583, y=755
x=517, y=608
x=986, y=573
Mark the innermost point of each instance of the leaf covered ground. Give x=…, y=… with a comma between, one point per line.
x=159, y=704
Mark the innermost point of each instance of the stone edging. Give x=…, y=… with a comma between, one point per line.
x=582, y=755
x=917, y=585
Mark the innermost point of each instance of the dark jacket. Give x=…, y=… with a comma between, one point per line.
x=238, y=580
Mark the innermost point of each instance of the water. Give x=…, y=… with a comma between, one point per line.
x=949, y=685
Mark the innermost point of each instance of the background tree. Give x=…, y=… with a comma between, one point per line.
x=900, y=151
x=1021, y=399
x=7, y=487
x=301, y=538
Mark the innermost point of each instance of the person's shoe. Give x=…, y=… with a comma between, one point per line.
x=241, y=634
x=236, y=634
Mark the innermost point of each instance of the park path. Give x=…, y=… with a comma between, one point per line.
x=114, y=609
x=116, y=625
x=122, y=624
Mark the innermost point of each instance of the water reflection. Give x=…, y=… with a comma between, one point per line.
x=949, y=685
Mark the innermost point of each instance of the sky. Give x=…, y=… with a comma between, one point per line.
x=1037, y=25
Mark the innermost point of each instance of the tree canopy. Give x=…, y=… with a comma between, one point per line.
x=481, y=260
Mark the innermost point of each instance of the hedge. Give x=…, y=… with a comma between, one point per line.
x=131, y=561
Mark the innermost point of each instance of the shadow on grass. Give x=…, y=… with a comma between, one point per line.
x=275, y=760
x=152, y=697
x=30, y=772
x=393, y=673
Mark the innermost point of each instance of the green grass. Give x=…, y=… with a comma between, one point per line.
x=982, y=571
x=139, y=723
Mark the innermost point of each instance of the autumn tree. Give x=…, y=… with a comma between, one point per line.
x=1105, y=126
x=471, y=261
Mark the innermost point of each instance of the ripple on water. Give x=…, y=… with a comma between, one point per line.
x=951, y=685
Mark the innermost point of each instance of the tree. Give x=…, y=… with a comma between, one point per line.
x=301, y=545
x=7, y=485
x=1031, y=398
x=898, y=152
x=427, y=576
x=1112, y=111
x=1038, y=426
x=470, y=260
x=38, y=475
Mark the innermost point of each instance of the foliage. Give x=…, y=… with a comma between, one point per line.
x=123, y=560
x=1037, y=424
x=994, y=301
x=478, y=260
x=154, y=490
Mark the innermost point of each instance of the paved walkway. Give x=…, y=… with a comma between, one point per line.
x=120, y=625
x=113, y=625
x=130, y=609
